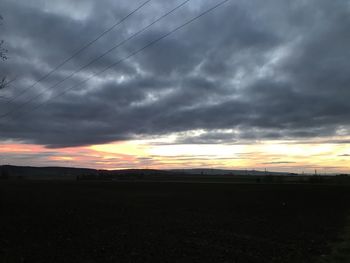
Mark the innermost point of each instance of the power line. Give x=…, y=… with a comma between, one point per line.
x=12, y=80
x=97, y=58
x=5, y=85
x=130, y=55
x=80, y=50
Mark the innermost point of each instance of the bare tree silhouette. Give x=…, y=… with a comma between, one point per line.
x=3, y=57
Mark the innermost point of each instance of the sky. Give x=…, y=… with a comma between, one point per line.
x=249, y=85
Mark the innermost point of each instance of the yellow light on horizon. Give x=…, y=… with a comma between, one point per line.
x=197, y=150
x=163, y=153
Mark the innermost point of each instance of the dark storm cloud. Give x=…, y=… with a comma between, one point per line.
x=212, y=137
x=245, y=72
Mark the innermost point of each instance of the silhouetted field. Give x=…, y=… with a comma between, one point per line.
x=168, y=222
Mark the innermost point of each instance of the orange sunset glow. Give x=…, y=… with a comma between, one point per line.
x=274, y=156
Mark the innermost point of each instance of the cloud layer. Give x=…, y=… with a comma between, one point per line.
x=247, y=71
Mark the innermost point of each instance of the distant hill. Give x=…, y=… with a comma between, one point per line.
x=11, y=171
x=70, y=172
x=206, y=171
x=43, y=172
x=175, y=175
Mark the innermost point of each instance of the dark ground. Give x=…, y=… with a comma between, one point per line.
x=168, y=222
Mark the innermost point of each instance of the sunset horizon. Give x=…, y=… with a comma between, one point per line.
x=174, y=131
x=291, y=157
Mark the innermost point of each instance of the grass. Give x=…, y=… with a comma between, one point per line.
x=341, y=249
x=170, y=222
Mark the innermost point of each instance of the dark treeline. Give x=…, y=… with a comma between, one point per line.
x=9, y=172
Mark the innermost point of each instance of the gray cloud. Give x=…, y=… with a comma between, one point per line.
x=272, y=70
